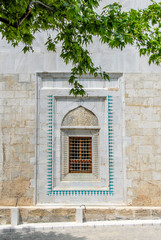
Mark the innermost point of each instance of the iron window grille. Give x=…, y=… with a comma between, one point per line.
x=80, y=154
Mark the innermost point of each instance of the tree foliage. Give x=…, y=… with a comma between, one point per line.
x=75, y=23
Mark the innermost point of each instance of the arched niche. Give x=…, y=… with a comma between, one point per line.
x=80, y=116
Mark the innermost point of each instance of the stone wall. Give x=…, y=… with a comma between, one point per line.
x=143, y=129
x=121, y=213
x=142, y=150
x=70, y=214
x=17, y=138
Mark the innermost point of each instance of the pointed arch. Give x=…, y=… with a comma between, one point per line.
x=80, y=116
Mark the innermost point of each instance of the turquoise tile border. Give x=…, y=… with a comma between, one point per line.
x=50, y=143
x=52, y=192
x=110, y=145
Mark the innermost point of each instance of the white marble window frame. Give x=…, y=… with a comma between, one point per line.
x=94, y=134
x=55, y=85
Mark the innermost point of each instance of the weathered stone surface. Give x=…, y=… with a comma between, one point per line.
x=156, y=213
x=99, y=214
x=13, y=192
x=124, y=214
x=148, y=194
x=17, y=130
x=47, y=215
x=5, y=216
x=142, y=124
x=143, y=214
x=117, y=213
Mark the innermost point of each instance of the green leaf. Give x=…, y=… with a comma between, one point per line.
x=74, y=23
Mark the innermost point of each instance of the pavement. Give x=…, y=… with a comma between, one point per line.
x=108, y=230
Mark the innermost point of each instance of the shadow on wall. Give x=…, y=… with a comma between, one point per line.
x=29, y=234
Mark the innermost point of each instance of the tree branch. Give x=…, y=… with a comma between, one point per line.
x=4, y=20
x=25, y=15
x=38, y=2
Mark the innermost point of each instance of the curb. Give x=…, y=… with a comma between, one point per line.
x=62, y=225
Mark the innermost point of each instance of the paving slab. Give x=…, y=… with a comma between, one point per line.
x=136, y=232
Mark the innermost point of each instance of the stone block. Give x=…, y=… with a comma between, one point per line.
x=99, y=214
x=15, y=216
x=143, y=214
x=80, y=214
x=24, y=77
x=156, y=213
x=124, y=214
x=46, y=215
x=5, y=216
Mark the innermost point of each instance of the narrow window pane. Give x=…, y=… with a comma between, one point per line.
x=80, y=155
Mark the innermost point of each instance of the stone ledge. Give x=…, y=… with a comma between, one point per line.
x=48, y=214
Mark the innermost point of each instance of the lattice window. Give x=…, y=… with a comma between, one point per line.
x=80, y=154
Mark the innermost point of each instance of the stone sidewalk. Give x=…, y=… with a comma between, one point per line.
x=113, y=230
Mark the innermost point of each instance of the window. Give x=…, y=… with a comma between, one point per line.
x=80, y=155
x=80, y=146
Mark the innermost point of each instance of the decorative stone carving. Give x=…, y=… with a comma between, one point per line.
x=80, y=117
